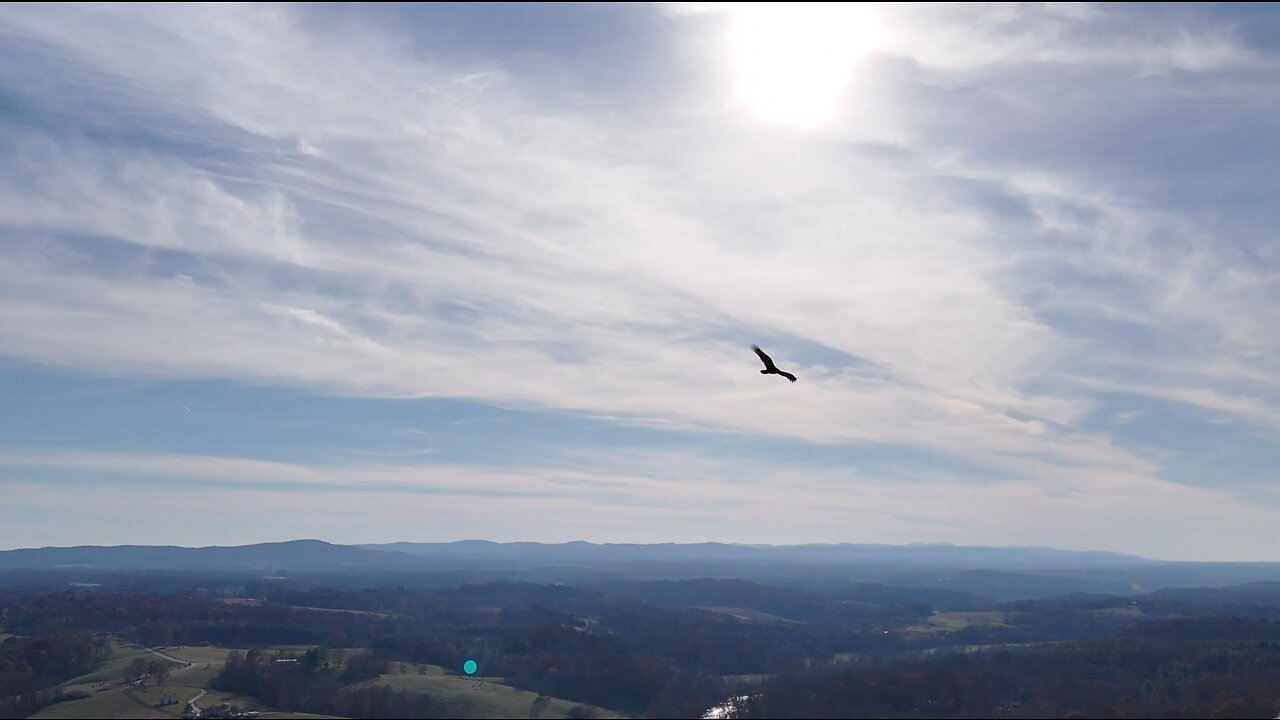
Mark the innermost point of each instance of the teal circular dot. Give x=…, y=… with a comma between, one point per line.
x=469, y=667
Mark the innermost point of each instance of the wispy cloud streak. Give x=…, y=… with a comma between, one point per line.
x=1000, y=236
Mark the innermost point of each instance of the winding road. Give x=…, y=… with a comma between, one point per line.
x=191, y=704
x=184, y=663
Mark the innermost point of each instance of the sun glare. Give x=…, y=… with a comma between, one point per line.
x=791, y=62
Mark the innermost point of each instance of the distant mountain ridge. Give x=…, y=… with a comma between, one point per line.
x=294, y=555
x=914, y=554
x=994, y=572
x=316, y=555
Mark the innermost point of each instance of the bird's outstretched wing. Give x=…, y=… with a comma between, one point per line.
x=768, y=361
x=787, y=375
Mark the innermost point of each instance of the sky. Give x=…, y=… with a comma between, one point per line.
x=373, y=273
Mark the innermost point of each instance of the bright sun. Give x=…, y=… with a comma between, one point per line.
x=791, y=62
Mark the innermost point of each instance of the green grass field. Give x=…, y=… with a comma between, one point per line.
x=114, y=703
x=484, y=697
x=121, y=703
x=939, y=623
x=195, y=676
x=118, y=702
x=199, y=654
x=1128, y=611
x=118, y=658
x=183, y=682
x=749, y=615
x=965, y=649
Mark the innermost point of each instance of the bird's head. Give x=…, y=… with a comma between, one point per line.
x=764, y=372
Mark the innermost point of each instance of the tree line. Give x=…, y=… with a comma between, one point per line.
x=32, y=667
x=1185, y=668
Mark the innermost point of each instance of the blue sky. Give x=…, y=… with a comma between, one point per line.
x=373, y=273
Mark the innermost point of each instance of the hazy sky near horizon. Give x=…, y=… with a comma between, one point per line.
x=426, y=273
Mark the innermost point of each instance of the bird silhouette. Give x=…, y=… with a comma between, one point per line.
x=769, y=367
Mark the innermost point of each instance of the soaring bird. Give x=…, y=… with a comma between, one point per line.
x=769, y=367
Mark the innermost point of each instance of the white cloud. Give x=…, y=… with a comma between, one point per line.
x=337, y=210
